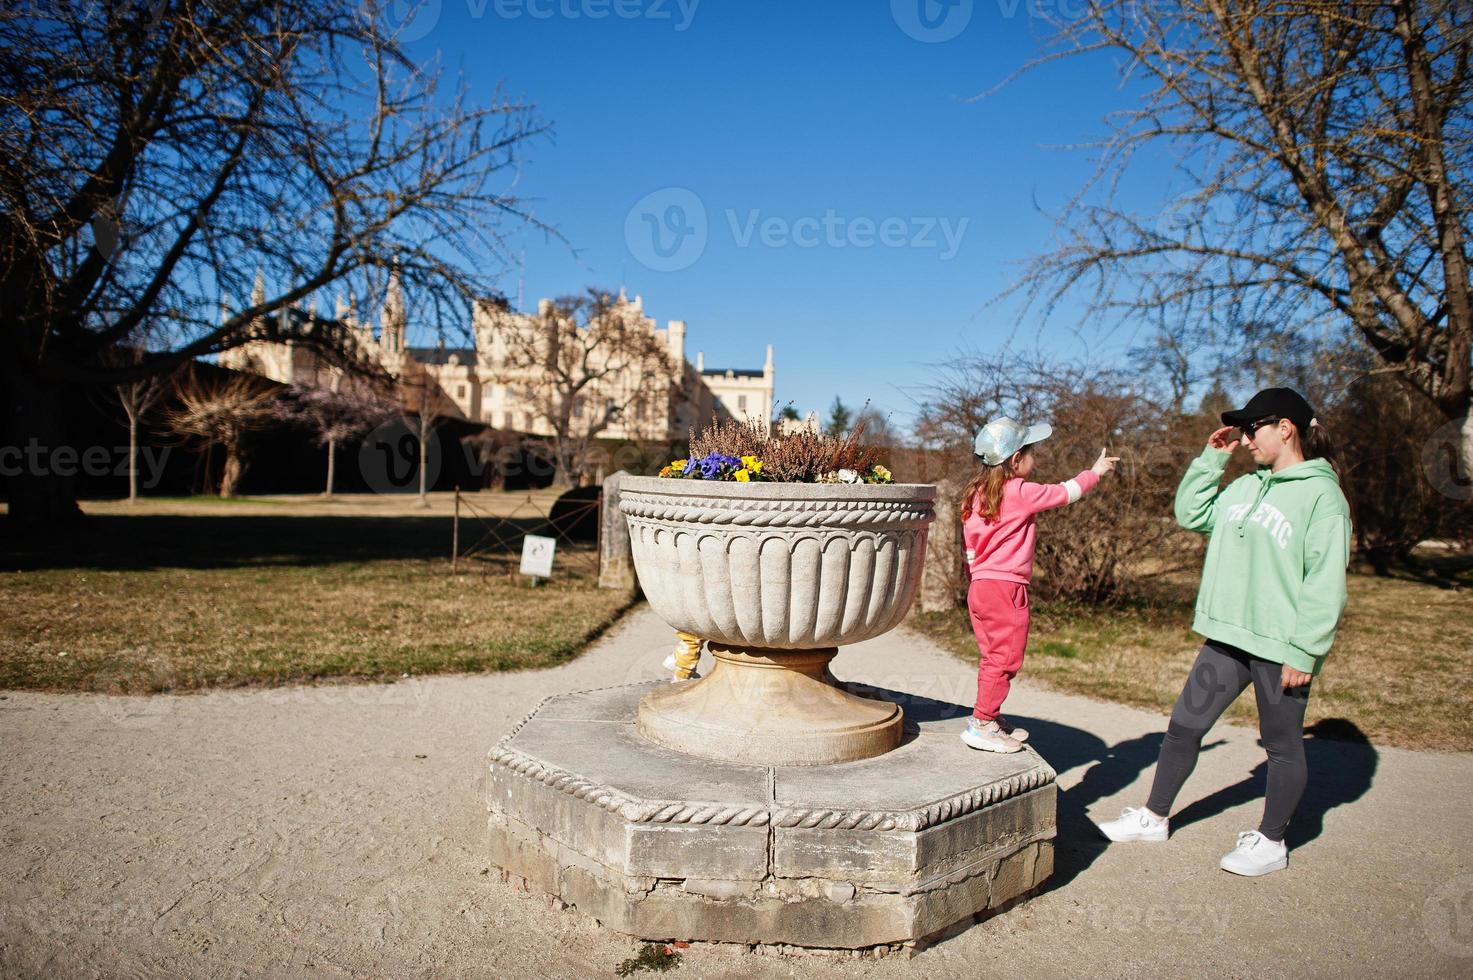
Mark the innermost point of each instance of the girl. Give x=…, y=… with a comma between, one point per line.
x=1273, y=590
x=998, y=508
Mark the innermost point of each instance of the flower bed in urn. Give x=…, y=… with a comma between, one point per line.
x=777, y=550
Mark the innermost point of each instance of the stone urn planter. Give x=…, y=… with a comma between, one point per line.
x=776, y=576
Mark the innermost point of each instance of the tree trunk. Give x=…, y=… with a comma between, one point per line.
x=332, y=453
x=132, y=458
x=424, y=499
x=234, y=467
x=40, y=498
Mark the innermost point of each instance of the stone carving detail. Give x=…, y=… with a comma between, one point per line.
x=778, y=566
x=723, y=814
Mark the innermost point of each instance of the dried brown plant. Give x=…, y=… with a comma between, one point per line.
x=799, y=457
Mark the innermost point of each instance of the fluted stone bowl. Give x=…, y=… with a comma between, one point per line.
x=778, y=565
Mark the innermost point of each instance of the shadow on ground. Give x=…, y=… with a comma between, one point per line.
x=1342, y=764
x=233, y=541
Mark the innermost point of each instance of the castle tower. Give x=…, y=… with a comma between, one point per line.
x=391, y=318
x=676, y=333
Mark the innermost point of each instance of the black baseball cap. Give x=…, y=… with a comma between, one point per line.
x=1284, y=403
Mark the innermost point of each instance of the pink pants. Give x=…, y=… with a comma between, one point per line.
x=1000, y=621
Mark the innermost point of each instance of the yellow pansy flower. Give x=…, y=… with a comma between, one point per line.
x=678, y=466
x=742, y=476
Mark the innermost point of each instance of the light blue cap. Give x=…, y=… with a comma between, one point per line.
x=1000, y=438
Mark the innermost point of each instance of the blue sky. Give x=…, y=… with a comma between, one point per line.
x=857, y=210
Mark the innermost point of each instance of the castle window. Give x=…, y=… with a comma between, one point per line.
x=741, y=403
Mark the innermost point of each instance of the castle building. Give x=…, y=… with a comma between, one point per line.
x=478, y=383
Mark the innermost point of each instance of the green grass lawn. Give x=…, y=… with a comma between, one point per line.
x=1400, y=669
x=175, y=599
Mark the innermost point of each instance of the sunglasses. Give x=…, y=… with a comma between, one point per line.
x=1251, y=429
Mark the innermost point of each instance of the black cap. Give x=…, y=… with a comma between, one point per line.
x=1284, y=403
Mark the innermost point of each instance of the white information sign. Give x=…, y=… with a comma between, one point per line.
x=537, y=555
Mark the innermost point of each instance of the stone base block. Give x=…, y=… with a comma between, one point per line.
x=666, y=846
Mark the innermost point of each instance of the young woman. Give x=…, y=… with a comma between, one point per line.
x=1273, y=590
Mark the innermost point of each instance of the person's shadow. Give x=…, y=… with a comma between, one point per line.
x=1342, y=762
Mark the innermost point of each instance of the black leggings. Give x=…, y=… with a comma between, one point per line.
x=1217, y=678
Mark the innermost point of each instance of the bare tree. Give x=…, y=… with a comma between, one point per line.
x=154, y=155
x=876, y=427
x=137, y=397
x=1326, y=148
x=336, y=415
x=222, y=412
x=1103, y=546
x=841, y=416
x=425, y=405
x=582, y=363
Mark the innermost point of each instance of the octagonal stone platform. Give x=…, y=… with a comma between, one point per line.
x=665, y=846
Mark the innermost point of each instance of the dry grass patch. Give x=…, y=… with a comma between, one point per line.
x=1399, y=670
x=167, y=601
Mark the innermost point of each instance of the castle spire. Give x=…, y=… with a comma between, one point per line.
x=258, y=291
x=391, y=318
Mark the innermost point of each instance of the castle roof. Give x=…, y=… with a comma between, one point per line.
x=442, y=355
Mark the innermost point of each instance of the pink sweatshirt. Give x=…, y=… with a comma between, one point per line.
x=1003, y=550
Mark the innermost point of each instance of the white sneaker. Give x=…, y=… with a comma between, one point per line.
x=1011, y=731
x=989, y=737
x=1135, y=823
x=1255, y=855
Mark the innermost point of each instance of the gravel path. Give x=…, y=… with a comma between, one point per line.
x=336, y=830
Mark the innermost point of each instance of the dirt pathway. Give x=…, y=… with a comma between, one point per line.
x=336, y=830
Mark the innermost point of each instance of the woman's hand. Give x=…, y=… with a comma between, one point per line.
x=1294, y=678
x=1105, y=464
x=1223, y=439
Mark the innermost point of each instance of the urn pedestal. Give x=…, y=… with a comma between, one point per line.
x=776, y=576
x=766, y=803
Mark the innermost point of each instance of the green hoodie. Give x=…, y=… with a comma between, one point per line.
x=1273, y=583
